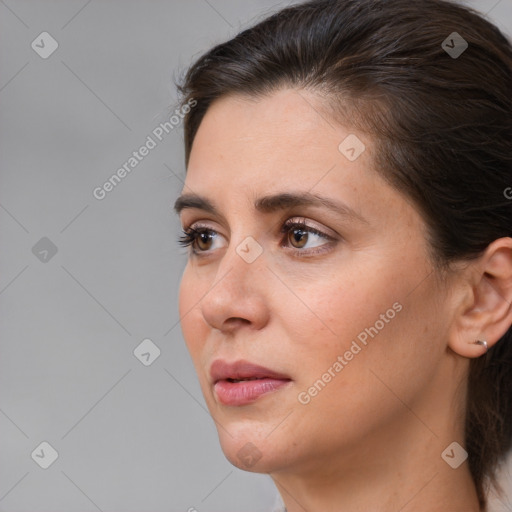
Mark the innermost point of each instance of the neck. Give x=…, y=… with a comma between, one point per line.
x=382, y=488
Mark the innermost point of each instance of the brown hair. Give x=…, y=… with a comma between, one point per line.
x=442, y=125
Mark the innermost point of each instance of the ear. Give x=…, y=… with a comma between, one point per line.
x=485, y=311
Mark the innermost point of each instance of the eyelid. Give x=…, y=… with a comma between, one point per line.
x=285, y=225
x=319, y=230
x=198, y=224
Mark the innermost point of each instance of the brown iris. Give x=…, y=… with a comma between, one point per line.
x=204, y=238
x=298, y=237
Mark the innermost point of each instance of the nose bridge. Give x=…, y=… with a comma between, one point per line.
x=242, y=263
x=237, y=291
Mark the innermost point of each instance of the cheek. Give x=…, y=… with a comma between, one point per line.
x=359, y=392
x=329, y=312
x=192, y=326
x=371, y=320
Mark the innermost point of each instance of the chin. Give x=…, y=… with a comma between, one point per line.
x=248, y=435
x=251, y=449
x=249, y=456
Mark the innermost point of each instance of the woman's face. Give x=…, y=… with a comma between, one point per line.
x=342, y=311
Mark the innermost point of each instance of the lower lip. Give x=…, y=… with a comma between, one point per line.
x=246, y=391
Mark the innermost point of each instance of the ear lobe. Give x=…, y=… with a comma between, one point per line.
x=486, y=314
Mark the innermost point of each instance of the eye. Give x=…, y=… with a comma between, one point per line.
x=300, y=237
x=199, y=238
x=303, y=238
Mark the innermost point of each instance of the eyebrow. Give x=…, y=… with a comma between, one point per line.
x=271, y=203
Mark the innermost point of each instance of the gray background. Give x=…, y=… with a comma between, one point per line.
x=130, y=437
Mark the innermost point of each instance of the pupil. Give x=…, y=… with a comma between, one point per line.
x=203, y=239
x=299, y=237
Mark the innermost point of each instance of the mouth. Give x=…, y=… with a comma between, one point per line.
x=242, y=383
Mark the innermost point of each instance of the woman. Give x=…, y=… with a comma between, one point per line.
x=347, y=298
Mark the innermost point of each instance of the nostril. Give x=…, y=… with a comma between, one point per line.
x=236, y=320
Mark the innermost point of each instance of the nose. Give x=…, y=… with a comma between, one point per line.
x=238, y=296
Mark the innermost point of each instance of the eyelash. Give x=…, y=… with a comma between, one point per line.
x=191, y=234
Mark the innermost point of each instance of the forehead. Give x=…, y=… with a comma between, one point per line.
x=271, y=139
x=284, y=114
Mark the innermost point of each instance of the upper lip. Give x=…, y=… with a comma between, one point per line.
x=222, y=370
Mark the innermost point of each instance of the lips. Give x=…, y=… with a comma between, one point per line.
x=242, y=382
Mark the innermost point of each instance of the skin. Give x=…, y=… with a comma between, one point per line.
x=372, y=438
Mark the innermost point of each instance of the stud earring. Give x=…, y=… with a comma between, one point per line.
x=482, y=342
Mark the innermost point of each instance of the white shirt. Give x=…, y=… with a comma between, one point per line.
x=279, y=505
